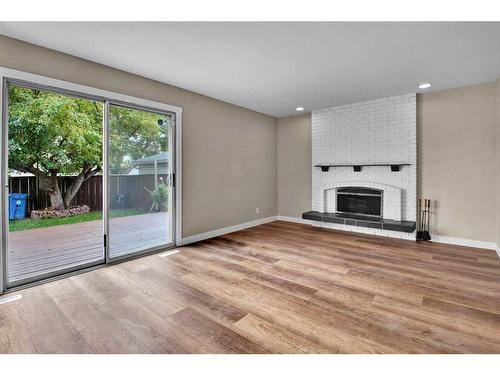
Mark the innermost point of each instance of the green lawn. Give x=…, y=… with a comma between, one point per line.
x=15, y=225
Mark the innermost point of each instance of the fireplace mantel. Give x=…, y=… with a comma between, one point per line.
x=395, y=167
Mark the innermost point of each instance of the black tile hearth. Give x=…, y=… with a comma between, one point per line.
x=355, y=220
x=313, y=215
x=400, y=226
x=369, y=224
x=357, y=217
x=350, y=222
x=332, y=218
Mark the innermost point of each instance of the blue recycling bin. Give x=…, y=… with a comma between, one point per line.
x=18, y=203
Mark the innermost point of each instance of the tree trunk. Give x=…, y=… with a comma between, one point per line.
x=56, y=200
x=73, y=189
x=50, y=184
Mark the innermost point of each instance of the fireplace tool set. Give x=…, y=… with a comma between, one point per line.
x=423, y=220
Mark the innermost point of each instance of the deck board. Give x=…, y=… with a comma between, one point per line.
x=36, y=251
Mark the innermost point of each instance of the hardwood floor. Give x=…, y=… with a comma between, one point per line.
x=276, y=288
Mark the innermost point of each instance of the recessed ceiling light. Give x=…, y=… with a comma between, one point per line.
x=299, y=109
x=424, y=85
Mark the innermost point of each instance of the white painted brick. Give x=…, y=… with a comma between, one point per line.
x=376, y=131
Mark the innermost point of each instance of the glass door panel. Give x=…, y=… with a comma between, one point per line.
x=140, y=191
x=54, y=199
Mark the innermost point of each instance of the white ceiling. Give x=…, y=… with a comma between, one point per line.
x=275, y=67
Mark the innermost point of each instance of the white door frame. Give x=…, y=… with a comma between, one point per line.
x=93, y=93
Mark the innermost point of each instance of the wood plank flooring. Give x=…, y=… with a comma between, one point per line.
x=275, y=288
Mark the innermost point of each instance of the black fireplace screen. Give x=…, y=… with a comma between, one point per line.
x=357, y=200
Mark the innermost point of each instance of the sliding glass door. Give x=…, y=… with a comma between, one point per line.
x=140, y=180
x=86, y=180
x=54, y=199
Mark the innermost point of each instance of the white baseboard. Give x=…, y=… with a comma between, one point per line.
x=235, y=228
x=293, y=219
x=226, y=230
x=464, y=242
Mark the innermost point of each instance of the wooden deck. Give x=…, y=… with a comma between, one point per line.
x=38, y=251
x=279, y=288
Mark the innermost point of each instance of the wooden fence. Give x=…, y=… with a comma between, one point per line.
x=132, y=187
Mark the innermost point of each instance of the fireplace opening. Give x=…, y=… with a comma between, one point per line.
x=360, y=201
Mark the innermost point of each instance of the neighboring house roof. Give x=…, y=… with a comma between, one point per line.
x=161, y=157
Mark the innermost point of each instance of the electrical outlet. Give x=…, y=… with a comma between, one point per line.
x=257, y=210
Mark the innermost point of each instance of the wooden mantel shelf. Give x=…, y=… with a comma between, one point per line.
x=395, y=167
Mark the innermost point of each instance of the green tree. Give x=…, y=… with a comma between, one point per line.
x=134, y=134
x=51, y=135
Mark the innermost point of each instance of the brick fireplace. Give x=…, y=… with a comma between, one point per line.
x=361, y=149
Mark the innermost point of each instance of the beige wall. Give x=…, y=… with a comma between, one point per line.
x=229, y=153
x=294, y=165
x=236, y=160
x=498, y=163
x=456, y=160
x=456, y=157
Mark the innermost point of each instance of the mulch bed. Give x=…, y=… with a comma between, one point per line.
x=51, y=213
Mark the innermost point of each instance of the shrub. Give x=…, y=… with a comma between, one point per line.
x=120, y=201
x=160, y=197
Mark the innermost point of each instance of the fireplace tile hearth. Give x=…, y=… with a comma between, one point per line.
x=332, y=218
x=384, y=224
